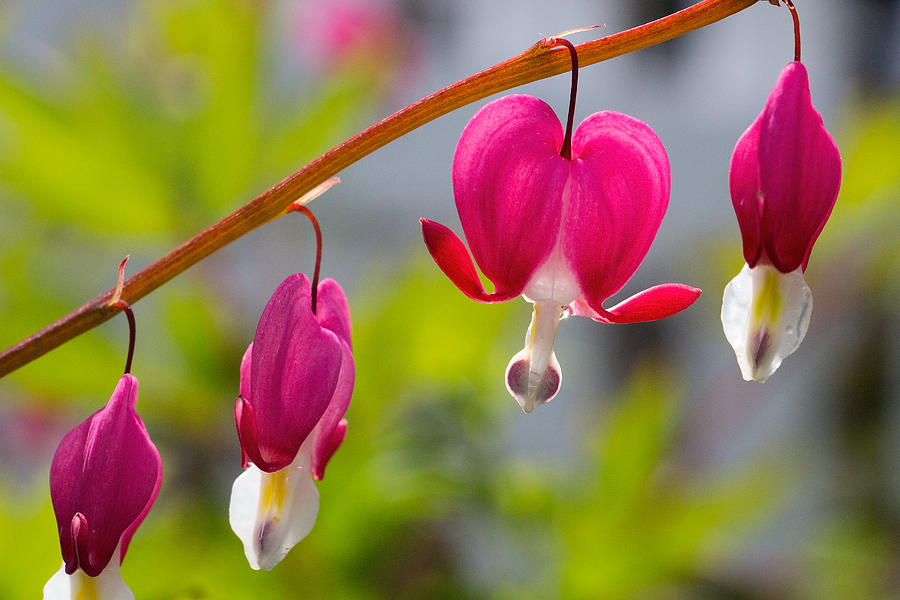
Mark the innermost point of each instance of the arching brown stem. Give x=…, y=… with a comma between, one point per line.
x=538, y=62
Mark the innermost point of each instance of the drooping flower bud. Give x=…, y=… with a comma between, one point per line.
x=785, y=176
x=104, y=478
x=296, y=382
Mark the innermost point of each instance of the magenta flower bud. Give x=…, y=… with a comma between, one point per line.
x=296, y=382
x=785, y=176
x=104, y=478
x=566, y=233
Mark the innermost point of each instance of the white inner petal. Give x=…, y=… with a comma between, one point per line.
x=765, y=315
x=108, y=585
x=533, y=376
x=271, y=512
x=554, y=282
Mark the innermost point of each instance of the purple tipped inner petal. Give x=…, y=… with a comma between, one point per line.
x=521, y=384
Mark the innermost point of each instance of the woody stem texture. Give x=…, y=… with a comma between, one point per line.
x=538, y=62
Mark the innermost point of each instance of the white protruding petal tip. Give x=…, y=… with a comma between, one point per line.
x=271, y=512
x=765, y=315
x=532, y=389
x=533, y=376
x=108, y=585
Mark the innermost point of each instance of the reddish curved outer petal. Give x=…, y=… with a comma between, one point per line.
x=451, y=256
x=109, y=471
x=326, y=447
x=508, y=180
x=618, y=194
x=655, y=303
x=332, y=310
x=245, y=421
x=294, y=370
x=334, y=314
x=246, y=362
x=799, y=171
x=745, y=191
x=242, y=410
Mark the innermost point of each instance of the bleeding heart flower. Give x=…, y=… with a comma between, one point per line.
x=564, y=221
x=296, y=381
x=785, y=176
x=104, y=478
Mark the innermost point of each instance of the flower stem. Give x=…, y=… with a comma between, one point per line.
x=129, y=314
x=117, y=301
x=315, y=280
x=566, y=150
x=534, y=64
x=793, y=10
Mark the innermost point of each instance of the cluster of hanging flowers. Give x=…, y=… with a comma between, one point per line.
x=561, y=217
x=296, y=380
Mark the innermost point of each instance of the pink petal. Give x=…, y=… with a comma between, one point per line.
x=332, y=310
x=655, y=303
x=618, y=194
x=246, y=363
x=108, y=472
x=745, y=191
x=334, y=314
x=508, y=180
x=327, y=439
x=799, y=170
x=245, y=421
x=326, y=448
x=295, y=368
x=451, y=256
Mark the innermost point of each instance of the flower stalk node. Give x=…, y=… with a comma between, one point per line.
x=120, y=283
x=117, y=302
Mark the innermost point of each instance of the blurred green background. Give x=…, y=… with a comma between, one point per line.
x=656, y=474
